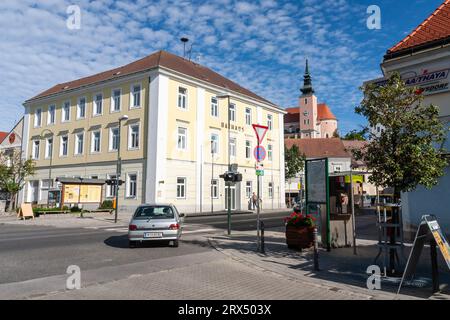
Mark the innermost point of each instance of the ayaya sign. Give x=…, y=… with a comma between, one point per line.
x=428, y=82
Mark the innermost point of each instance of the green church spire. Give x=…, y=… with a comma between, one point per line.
x=307, y=84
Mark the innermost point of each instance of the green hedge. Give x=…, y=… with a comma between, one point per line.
x=106, y=204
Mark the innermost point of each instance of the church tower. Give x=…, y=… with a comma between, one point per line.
x=308, y=108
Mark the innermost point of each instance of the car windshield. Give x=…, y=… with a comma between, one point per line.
x=154, y=212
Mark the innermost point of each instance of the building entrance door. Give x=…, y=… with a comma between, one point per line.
x=33, y=191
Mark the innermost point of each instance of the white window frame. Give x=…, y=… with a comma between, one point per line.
x=49, y=114
x=233, y=147
x=65, y=112
x=130, y=136
x=38, y=124
x=248, y=146
x=232, y=110
x=47, y=144
x=214, y=189
x=79, y=108
x=270, y=121
x=216, y=144
x=185, y=136
x=132, y=97
x=95, y=105
x=109, y=188
x=214, y=107
x=61, y=149
x=35, y=155
x=248, y=189
x=128, y=193
x=111, y=139
x=248, y=116
x=269, y=152
x=77, y=139
x=113, y=108
x=270, y=190
x=93, y=142
x=184, y=97
x=183, y=185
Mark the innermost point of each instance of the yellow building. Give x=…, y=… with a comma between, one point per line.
x=174, y=119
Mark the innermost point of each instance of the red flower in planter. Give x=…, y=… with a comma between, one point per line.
x=300, y=220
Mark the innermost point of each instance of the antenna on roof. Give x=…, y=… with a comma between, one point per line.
x=190, y=52
x=184, y=40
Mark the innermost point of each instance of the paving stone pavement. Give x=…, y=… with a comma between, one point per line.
x=340, y=270
x=219, y=279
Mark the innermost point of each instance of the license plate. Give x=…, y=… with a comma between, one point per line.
x=153, y=234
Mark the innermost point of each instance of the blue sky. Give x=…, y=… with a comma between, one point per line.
x=262, y=44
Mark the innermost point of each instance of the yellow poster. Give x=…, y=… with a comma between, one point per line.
x=356, y=179
x=442, y=245
x=87, y=194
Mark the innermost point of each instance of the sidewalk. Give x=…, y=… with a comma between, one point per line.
x=341, y=270
x=71, y=220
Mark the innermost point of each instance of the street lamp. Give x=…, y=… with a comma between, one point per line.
x=227, y=96
x=119, y=166
x=41, y=137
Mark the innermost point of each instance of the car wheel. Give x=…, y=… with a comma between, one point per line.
x=131, y=244
x=175, y=243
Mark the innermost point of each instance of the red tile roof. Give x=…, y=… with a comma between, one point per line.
x=293, y=110
x=319, y=147
x=157, y=59
x=292, y=117
x=435, y=27
x=324, y=112
x=3, y=135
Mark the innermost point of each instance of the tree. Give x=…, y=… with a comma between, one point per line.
x=356, y=135
x=294, y=163
x=13, y=171
x=408, y=152
x=336, y=134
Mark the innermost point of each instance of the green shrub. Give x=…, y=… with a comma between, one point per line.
x=75, y=209
x=106, y=204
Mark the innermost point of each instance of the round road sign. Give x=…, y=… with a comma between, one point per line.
x=259, y=153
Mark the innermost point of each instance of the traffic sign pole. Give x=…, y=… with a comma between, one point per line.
x=260, y=133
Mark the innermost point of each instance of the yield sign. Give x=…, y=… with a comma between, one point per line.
x=260, y=132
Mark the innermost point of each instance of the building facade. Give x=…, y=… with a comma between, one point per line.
x=423, y=59
x=174, y=144
x=310, y=119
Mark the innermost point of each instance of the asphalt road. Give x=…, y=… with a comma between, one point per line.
x=32, y=252
x=240, y=222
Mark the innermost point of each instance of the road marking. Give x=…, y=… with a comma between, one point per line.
x=200, y=231
x=117, y=229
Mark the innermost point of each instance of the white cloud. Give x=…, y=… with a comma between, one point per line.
x=261, y=45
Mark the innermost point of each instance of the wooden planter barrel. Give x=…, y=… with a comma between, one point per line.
x=299, y=237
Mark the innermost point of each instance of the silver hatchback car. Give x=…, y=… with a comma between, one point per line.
x=155, y=222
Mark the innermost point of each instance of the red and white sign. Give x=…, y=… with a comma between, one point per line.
x=260, y=132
